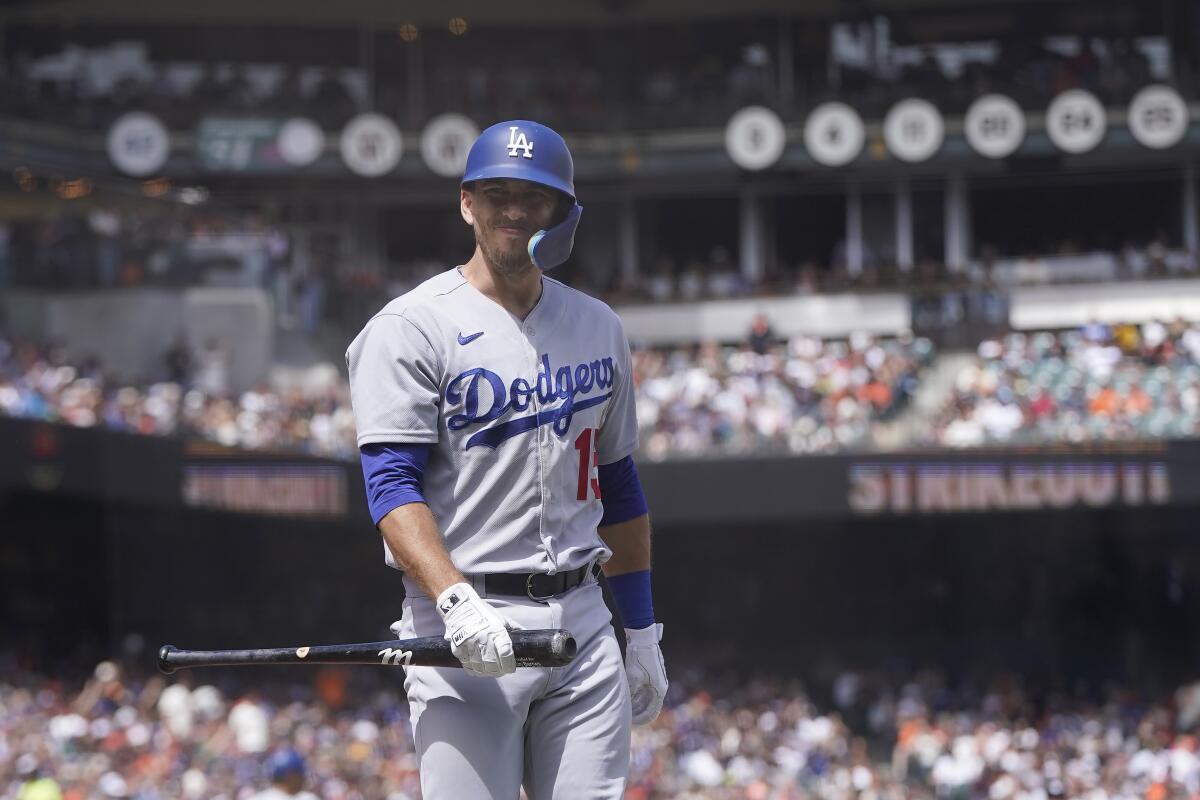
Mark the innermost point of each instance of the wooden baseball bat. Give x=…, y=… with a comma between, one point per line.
x=540, y=648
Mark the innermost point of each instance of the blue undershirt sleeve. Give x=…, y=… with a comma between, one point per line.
x=620, y=492
x=393, y=474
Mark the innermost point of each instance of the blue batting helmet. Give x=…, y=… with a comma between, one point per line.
x=285, y=762
x=530, y=151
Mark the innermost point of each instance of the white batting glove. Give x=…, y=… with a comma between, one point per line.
x=646, y=671
x=477, y=635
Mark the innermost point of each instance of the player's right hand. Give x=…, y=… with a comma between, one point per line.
x=477, y=635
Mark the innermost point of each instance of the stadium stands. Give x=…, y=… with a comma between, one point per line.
x=661, y=82
x=807, y=396
x=804, y=395
x=127, y=735
x=1099, y=383
x=36, y=383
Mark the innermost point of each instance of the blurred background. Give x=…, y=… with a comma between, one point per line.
x=912, y=287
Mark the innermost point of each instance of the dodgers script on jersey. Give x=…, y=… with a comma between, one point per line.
x=520, y=414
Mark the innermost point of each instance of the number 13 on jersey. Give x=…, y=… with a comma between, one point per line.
x=589, y=461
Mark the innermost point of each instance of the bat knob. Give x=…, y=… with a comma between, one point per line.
x=164, y=653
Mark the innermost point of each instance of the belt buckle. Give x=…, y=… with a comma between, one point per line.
x=529, y=590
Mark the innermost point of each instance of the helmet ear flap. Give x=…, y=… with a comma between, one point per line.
x=551, y=247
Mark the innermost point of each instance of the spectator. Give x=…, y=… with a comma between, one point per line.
x=178, y=361
x=660, y=286
x=1096, y=332
x=212, y=369
x=35, y=786
x=761, y=335
x=287, y=770
x=6, y=275
x=723, y=280
x=1097, y=383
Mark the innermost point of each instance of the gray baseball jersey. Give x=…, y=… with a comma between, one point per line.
x=519, y=414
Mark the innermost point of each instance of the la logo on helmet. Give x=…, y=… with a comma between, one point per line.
x=517, y=141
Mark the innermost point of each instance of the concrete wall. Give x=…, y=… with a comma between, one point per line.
x=1044, y=307
x=835, y=315
x=132, y=329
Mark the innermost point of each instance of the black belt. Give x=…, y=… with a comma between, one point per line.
x=536, y=585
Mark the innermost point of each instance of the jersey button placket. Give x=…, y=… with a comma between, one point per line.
x=543, y=466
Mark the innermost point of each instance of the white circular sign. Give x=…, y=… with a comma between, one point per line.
x=445, y=143
x=138, y=144
x=834, y=134
x=1158, y=117
x=994, y=126
x=371, y=145
x=913, y=130
x=300, y=141
x=755, y=137
x=1076, y=121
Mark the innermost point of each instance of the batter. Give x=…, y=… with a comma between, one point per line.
x=495, y=416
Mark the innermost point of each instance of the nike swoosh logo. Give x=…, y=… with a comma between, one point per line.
x=468, y=339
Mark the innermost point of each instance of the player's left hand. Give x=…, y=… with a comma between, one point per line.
x=646, y=671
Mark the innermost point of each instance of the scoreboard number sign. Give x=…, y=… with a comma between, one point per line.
x=913, y=130
x=1075, y=121
x=138, y=144
x=445, y=143
x=371, y=145
x=755, y=138
x=834, y=134
x=994, y=126
x=1158, y=117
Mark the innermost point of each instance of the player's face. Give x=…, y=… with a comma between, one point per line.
x=505, y=212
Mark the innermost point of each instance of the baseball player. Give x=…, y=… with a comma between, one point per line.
x=286, y=768
x=495, y=416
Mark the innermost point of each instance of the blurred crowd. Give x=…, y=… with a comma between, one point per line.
x=193, y=400
x=312, y=283
x=917, y=739
x=719, y=276
x=667, y=75
x=348, y=737
x=1031, y=70
x=137, y=737
x=177, y=245
x=164, y=244
x=765, y=395
x=1100, y=382
x=802, y=395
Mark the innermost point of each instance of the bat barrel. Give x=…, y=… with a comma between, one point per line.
x=562, y=648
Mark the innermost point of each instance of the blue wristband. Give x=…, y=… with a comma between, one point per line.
x=631, y=592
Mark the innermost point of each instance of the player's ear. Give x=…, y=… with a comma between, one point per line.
x=465, y=202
